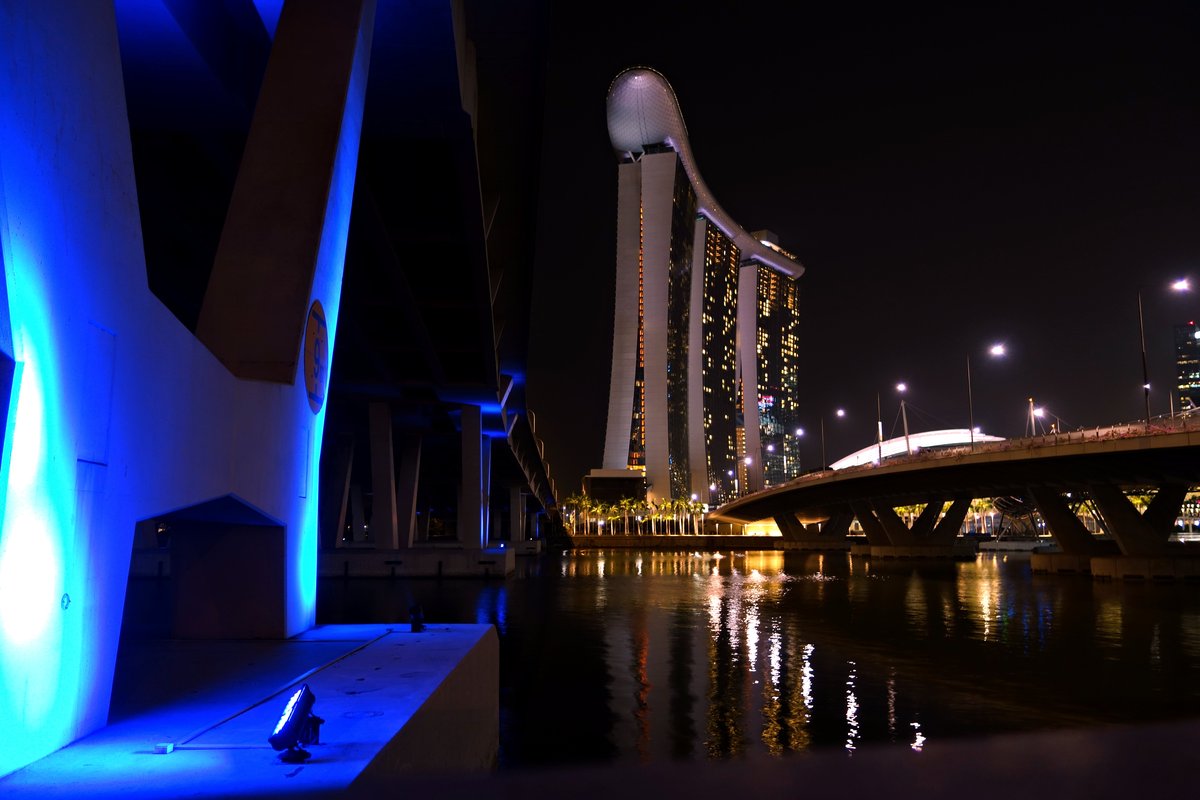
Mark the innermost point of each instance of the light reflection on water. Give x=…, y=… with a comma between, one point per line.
x=647, y=656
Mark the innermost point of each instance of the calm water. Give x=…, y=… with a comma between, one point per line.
x=645, y=656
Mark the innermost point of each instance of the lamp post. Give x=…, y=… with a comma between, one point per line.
x=841, y=412
x=799, y=434
x=902, y=388
x=1034, y=415
x=995, y=351
x=1145, y=373
x=878, y=431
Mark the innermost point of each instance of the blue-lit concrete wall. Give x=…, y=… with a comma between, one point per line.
x=117, y=413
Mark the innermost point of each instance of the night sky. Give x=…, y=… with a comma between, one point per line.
x=949, y=177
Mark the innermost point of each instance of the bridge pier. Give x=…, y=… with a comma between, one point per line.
x=1137, y=534
x=1077, y=543
x=828, y=535
x=889, y=537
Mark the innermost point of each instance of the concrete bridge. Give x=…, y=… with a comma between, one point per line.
x=1053, y=472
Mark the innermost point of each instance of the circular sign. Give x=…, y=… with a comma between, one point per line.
x=316, y=356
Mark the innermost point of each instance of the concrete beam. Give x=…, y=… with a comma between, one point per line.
x=383, y=477
x=897, y=532
x=791, y=528
x=872, y=527
x=946, y=531
x=335, y=499
x=286, y=214
x=1134, y=534
x=407, y=483
x=922, y=526
x=1068, y=530
x=1164, y=508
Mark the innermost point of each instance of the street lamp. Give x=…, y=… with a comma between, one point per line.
x=1145, y=374
x=995, y=351
x=841, y=412
x=799, y=435
x=902, y=388
x=1034, y=415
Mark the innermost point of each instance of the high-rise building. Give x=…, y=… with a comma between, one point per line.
x=1187, y=364
x=682, y=343
x=770, y=379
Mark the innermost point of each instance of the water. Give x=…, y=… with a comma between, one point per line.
x=626, y=656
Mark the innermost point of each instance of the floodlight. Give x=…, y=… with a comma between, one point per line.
x=297, y=726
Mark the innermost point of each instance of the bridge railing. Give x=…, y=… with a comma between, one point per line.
x=1128, y=430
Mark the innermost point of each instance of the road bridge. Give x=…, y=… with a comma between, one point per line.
x=1053, y=472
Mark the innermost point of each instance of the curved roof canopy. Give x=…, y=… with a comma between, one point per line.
x=643, y=111
x=918, y=441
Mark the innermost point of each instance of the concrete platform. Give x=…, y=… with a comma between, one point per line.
x=1060, y=563
x=450, y=560
x=959, y=551
x=392, y=701
x=708, y=542
x=1146, y=568
x=418, y=562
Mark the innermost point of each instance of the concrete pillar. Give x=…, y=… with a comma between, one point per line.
x=923, y=524
x=897, y=532
x=335, y=501
x=1164, y=508
x=1067, y=529
x=1134, y=534
x=838, y=525
x=876, y=535
x=407, y=483
x=790, y=527
x=476, y=480
x=358, y=520
x=286, y=218
x=516, y=514
x=946, y=531
x=383, y=478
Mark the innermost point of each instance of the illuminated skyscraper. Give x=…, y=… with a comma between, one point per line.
x=770, y=379
x=1187, y=364
x=675, y=410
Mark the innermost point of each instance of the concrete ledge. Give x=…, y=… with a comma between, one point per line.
x=956, y=551
x=1055, y=563
x=417, y=563
x=532, y=547
x=1145, y=568
x=711, y=542
x=392, y=701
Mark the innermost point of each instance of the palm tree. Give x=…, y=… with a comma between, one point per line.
x=573, y=505
x=979, y=507
x=642, y=509
x=626, y=505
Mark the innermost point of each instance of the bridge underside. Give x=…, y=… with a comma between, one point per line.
x=1055, y=479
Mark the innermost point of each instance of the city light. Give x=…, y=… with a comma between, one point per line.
x=841, y=412
x=1181, y=285
x=997, y=349
x=902, y=387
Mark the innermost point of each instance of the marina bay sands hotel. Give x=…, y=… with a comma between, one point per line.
x=703, y=393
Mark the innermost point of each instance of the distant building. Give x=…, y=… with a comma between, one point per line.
x=1187, y=364
x=682, y=343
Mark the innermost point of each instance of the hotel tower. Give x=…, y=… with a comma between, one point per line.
x=702, y=399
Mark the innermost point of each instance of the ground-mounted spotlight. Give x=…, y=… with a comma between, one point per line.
x=297, y=726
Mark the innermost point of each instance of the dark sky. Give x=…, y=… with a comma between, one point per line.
x=949, y=177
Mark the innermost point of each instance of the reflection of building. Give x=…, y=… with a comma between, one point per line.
x=1187, y=364
x=674, y=406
